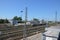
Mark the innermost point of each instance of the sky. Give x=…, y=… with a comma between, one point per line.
x=40, y=9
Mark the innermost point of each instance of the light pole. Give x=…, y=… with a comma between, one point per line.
x=56, y=17
x=24, y=30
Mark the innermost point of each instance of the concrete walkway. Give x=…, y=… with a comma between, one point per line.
x=35, y=37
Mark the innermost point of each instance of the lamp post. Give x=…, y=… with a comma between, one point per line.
x=56, y=17
x=24, y=30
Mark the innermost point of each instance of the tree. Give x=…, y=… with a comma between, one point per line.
x=36, y=20
x=6, y=21
x=15, y=18
x=19, y=19
x=1, y=21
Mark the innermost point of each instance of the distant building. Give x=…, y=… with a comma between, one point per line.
x=13, y=22
x=28, y=23
x=34, y=22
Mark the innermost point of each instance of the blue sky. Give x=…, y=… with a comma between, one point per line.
x=41, y=9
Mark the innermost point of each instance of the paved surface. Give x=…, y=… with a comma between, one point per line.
x=35, y=37
x=54, y=28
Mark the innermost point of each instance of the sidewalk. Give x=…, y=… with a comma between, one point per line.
x=35, y=37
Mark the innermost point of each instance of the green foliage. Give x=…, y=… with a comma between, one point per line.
x=1, y=21
x=19, y=19
x=35, y=19
x=4, y=21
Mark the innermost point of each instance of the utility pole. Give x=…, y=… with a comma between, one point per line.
x=24, y=31
x=56, y=17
